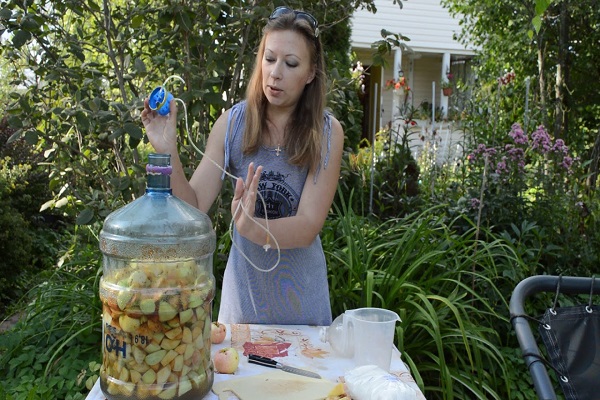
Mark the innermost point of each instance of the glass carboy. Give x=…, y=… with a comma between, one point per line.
x=156, y=291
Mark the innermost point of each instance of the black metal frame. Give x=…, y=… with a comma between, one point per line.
x=531, y=352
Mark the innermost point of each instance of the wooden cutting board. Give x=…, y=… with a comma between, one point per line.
x=275, y=385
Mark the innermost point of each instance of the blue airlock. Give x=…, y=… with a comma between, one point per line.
x=159, y=102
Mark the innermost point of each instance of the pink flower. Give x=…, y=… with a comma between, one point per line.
x=560, y=147
x=541, y=140
x=501, y=166
x=518, y=135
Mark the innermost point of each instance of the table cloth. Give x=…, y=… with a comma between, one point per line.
x=295, y=345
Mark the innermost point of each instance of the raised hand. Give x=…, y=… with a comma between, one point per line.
x=245, y=196
x=161, y=130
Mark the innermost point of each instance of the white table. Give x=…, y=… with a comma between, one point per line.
x=295, y=345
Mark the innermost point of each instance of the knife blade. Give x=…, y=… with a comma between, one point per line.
x=269, y=362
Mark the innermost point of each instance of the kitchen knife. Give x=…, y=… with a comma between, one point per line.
x=268, y=362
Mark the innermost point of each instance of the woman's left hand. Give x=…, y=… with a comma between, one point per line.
x=245, y=197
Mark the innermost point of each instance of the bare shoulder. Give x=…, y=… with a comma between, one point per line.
x=337, y=131
x=221, y=122
x=217, y=132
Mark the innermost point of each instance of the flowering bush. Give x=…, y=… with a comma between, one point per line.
x=506, y=78
x=519, y=155
x=506, y=183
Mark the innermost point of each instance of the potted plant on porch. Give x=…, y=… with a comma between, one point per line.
x=448, y=84
x=400, y=86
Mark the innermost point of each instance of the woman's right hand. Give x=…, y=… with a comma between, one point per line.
x=244, y=198
x=161, y=130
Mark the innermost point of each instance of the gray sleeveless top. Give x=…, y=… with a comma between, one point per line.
x=296, y=291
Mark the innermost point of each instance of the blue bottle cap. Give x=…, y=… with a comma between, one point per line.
x=160, y=100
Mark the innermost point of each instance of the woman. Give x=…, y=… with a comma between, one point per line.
x=282, y=127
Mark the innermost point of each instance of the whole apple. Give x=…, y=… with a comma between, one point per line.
x=226, y=360
x=217, y=332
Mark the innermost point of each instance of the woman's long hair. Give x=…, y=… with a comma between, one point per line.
x=303, y=135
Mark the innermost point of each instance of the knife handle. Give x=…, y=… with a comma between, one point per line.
x=267, y=362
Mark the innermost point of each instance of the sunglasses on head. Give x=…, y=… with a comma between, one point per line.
x=279, y=11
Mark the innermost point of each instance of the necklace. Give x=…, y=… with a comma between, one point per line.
x=274, y=134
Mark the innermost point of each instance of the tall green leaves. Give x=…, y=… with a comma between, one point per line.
x=442, y=284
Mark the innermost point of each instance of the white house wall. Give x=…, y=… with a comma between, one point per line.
x=428, y=25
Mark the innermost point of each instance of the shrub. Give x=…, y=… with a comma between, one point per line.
x=506, y=183
x=15, y=236
x=47, y=355
x=27, y=237
x=522, y=185
x=383, y=176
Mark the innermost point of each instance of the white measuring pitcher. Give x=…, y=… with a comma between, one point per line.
x=373, y=334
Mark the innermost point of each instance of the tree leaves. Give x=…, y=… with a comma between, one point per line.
x=214, y=10
x=542, y=5
x=20, y=38
x=5, y=13
x=83, y=71
x=134, y=130
x=139, y=66
x=540, y=8
x=382, y=48
x=532, y=38
x=85, y=216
